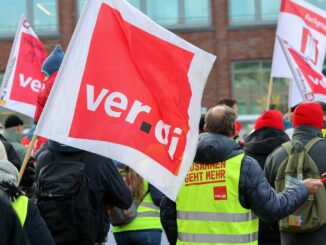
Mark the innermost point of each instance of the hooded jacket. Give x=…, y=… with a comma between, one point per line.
x=318, y=153
x=255, y=193
x=259, y=144
x=262, y=142
x=106, y=184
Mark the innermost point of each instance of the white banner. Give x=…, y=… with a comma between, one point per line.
x=130, y=90
x=23, y=79
x=310, y=82
x=303, y=26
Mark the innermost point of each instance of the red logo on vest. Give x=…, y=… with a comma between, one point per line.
x=220, y=193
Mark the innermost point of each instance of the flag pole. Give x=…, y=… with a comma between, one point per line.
x=26, y=158
x=269, y=92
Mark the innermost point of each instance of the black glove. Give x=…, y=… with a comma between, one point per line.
x=29, y=175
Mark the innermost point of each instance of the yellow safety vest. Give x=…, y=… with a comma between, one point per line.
x=324, y=132
x=208, y=207
x=148, y=216
x=20, y=206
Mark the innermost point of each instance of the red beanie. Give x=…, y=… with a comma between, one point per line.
x=308, y=114
x=270, y=118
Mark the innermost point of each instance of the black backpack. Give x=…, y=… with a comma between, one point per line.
x=63, y=198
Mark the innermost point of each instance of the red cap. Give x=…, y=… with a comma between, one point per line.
x=270, y=118
x=308, y=114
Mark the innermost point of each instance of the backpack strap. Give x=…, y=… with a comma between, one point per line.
x=312, y=142
x=287, y=147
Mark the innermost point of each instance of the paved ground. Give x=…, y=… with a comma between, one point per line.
x=111, y=240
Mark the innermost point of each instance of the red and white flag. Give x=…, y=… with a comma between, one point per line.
x=130, y=90
x=23, y=79
x=303, y=26
x=310, y=82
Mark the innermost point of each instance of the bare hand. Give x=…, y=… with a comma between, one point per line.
x=312, y=185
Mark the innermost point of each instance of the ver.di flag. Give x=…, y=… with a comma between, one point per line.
x=130, y=90
x=303, y=26
x=23, y=79
x=310, y=82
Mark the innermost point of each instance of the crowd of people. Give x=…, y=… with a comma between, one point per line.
x=68, y=195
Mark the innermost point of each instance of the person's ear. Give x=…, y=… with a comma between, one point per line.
x=205, y=128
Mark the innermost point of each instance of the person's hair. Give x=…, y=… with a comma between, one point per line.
x=226, y=101
x=323, y=106
x=136, y=184
x=220, y=119
x=201, y=123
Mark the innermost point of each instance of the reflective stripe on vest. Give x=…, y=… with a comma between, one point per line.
x=217, y=238
x=20, y=206
x=208, y=206
x=148, y=215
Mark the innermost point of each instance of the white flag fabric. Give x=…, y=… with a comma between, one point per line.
x=310, y=82
x=130, y=90
x=303, y=26
x=23, y=79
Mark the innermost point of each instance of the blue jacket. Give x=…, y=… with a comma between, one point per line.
x=255, y=193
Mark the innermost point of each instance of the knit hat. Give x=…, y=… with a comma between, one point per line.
x=52, y=63
x=8, y=172
x=308, y=114
x=13, y=121
x=270, y=118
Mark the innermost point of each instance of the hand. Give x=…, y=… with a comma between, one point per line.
x=312, y=185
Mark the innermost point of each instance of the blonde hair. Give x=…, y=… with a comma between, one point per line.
x=136, y=183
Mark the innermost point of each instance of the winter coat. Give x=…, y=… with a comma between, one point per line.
x=258, y=145
x=15, y=139
x=35, y=228
x=106, y=184
x=255, y=193
x=11, y=230
x=318, y=154
x=43, y=96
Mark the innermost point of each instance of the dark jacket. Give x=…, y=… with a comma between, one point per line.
x=106, y=185
x=11, y=230
x=34, y=227
x=255, y=193
x=258, y=145
x=318, y=154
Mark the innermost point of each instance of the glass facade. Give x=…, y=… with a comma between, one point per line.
x=319, y=3
x=173, y=13
x=253, y=12
x=250, y=86
x=41, y=14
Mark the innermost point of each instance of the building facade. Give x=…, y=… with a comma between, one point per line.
x=240, y=33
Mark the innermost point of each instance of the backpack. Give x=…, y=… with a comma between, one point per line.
x=295, y=168
x=63, y=198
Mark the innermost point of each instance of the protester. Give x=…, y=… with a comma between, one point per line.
x=307, y=123
x=224, y=190
x=233, y=104
x=107, y=188
x=27, y=212
x=11, y=229
x=50, y=68
x=13, y=132
x=146, y=227
x=268, y=134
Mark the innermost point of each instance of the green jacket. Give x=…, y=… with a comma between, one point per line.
x=15, y=138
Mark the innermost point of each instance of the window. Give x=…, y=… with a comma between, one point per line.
x=319, y=3
x=41, y=14
x=173, y=13
x=253, y=12
x=250, y=85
